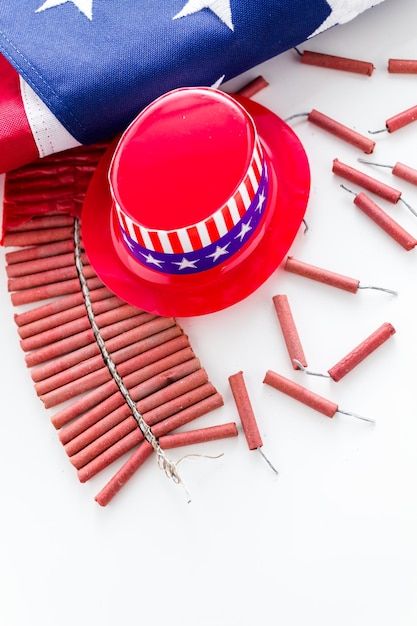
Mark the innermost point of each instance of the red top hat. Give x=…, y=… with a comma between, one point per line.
x=197, y=204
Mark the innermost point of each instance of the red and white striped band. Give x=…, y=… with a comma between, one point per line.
x=205, y=232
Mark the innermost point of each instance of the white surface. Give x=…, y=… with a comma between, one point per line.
x=332, y=540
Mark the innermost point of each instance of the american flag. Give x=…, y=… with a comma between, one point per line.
x=78, y=71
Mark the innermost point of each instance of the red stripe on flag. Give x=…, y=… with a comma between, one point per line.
x=256, y=170
x=17, y=144
x=124, y=223
x=240, y=204
x=156, y=242
x=175, y=242
x=138, y=235
x=227, y=216
x=212, y=230
x=195, y=238
x=249, y=187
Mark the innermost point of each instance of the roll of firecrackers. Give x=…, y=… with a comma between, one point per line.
x=135, y=437
x=151, y=352
x=194, y=391
x=149, y=334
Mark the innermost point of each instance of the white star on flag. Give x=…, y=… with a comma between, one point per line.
x=220, y=7
x=261, y=202
x=218, y=252
x=186, y=264
x=244, y=230
x=85, y=6
x=151, y=260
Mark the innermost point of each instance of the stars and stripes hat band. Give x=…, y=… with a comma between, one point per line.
x=200, y=245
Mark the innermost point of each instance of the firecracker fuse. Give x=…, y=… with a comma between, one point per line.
x=333, y=279
x=405, y=172
x=246, y=414
x=369, y=183
x=338, y=130
x=306, y=396
x=384, y=221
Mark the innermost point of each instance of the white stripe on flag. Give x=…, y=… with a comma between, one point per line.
x=258, y=158
x=204, y=236
x=245, y=195
x=165, y=242
x=221, y=224
x=233, y=211
x=130, y=229
x=147, y=241
x=253, y=180
x=184, y=240
x=48, y=133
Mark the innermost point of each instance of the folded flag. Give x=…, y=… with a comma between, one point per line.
x=78, y=71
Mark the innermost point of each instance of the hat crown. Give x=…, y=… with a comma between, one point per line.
x=182, y=158
x=189, y=181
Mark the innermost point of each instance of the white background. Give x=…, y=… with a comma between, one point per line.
x=332, y=540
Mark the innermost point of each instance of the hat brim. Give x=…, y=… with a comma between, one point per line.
x=225, y=285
